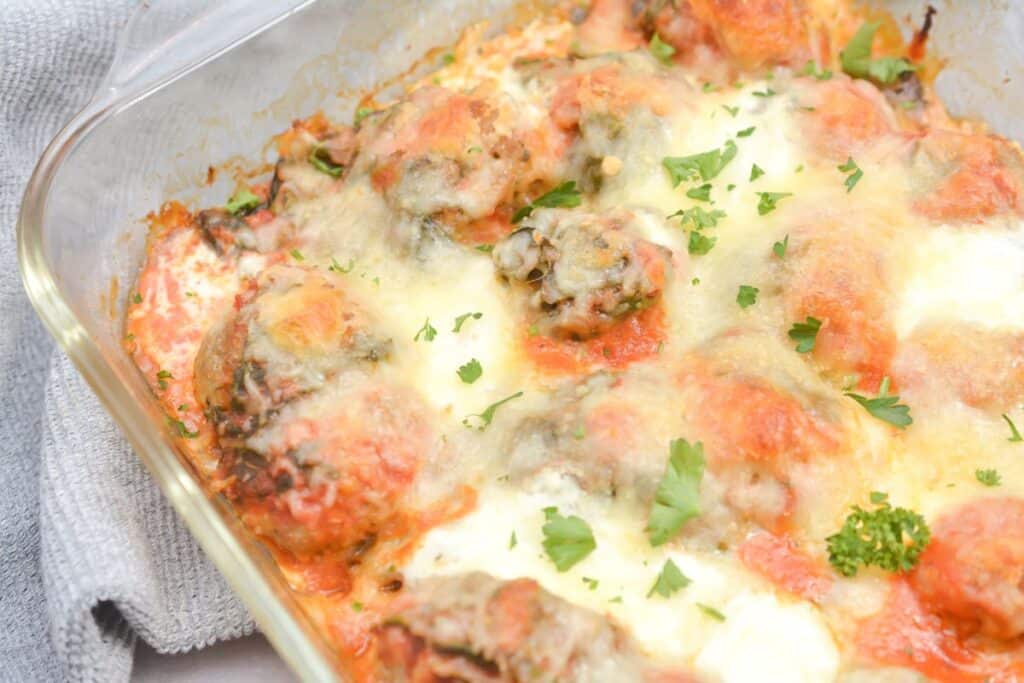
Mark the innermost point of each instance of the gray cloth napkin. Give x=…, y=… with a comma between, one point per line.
x=91, y=555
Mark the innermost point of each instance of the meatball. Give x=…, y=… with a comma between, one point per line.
x=474, y=627
x=982, y=367
x=968, y=177
x=333, y=472
x=844, y=116
x=289, y=332
x=449, y=159
x=972, y=572
x=587, y=271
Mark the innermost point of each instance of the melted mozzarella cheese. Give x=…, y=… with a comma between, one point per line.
x=625, y=566
x=963, y=274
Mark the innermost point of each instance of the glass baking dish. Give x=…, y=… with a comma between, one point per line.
x=198, y=83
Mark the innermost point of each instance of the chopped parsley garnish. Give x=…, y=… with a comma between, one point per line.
x=471, y=371
x=661, y=50
x=592, y=584
x=361, y=113
x=701, y=193
x=768, y=200
x=699, y=217
x=756, y=172
x=485, y=418
x=853, y=169
x=811, y=69
x=565, y=196
x=732, y=110
x=805, y=334
x=700, y=244
x=678, y=494
x=180, y=428
x=580, y=432
x=747, y=296
x=461, y=319
x=709, y=87
x=447, y=58
x=746, y=132
x=706, y=165
x=886, y=537
x=427, y=331
x=297, y=255
x=162, y=377
x=1014, y=434
x=567, y=540
x=710, y=611
x=988, y=477
x=183, y=407
x=357, y=606
x=670, y=580
x=137, y=298
x=485, y=248
x=243, y=202
x=779, y=248
x=885, y=407
x=512, y=541
x=878, y=497
x=321, y=161
x=856, y=58
x=767, y=92
x=336, y=267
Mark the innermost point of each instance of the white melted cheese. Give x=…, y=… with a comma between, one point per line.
x=973, y=275
x=625, y=566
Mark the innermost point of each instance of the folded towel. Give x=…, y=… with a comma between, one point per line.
x=91, y=555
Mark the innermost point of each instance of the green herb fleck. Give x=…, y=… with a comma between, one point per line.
x=700, y=244
x=1014, y=434
x=746, y=132
x=878, y=497
x=756, y=172
x=564, y=196
x=779, y=248
x=361, y=113
x=747, y=296
x=137, y=298
x=767, y=92
x=471, y=371
x=884, y=407
x=710, y=611
x=512, y=541
x=670, y=580
x=805, y=334
x=706, y=165
x=768, y=200
x=811, y=69
x=732, y=110
x=661, y=50
x=336, y=267
x=855, y=173
x=988, y=477
x=427, y=331
x=677, y=497
x=567, y=540
x=321, y=161
x=162, y=377
x=592, y=584
x=461, y=320
x=297, y=255
x=180, y=428
x=857, y=62
x=480, y=421
x=701, y=193
x=243, y=202
x=485, y=248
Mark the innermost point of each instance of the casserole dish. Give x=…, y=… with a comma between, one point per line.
x=219, y=89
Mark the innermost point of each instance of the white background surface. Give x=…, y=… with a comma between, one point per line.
x=249, y=659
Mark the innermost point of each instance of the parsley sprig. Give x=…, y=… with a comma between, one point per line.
x=480, y=421
x=661, y=50
x=805, y=334
x=427, y=331
x=1014, y=434
x=243, y=202
x=853, y=169
x=747, y=296
x=705, y=165
x=670, y=580
x=886, y=537
x=857, y=62
x=471, y=371
x=678, y=494
x=565, y=196
x=567, y=540
x=885, y=407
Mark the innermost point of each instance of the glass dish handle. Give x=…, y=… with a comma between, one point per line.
x=164, y=38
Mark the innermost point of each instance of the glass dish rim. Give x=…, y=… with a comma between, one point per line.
x=179, y=485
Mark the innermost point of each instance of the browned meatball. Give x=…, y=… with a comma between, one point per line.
x=474, y=627
x=972, y=572
x=586, y=270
